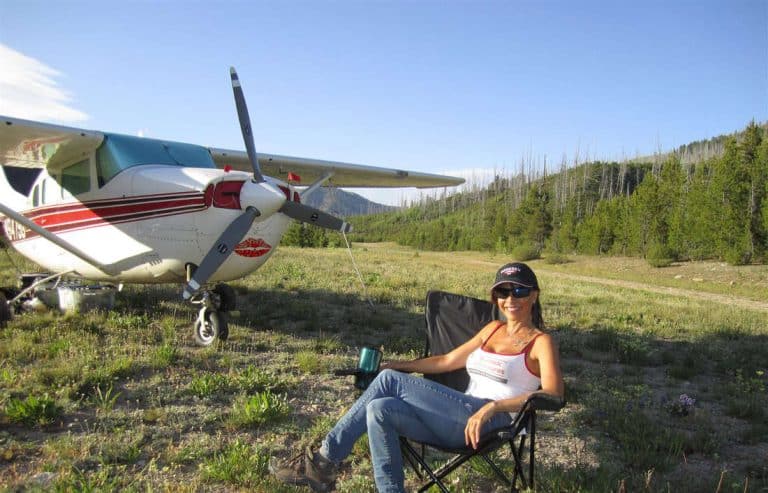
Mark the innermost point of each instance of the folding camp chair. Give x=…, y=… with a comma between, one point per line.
x=452, y=319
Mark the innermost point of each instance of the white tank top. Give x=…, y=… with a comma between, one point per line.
x=498, y=376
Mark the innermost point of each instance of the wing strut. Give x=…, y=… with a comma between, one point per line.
x=56, y=240
x=311, y=189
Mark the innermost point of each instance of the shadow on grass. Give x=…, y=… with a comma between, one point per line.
x=665, y=413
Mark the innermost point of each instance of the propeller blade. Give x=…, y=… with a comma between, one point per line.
x=221, y=250
x=310, y=215
x=245, y=125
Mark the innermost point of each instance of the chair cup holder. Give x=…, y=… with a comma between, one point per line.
x=362, y=378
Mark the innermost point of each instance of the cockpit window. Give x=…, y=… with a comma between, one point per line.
x=76, y=179
x=119, y=152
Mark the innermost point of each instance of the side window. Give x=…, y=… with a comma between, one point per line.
x=50, y=193
x=76, y=179
x=36, y=196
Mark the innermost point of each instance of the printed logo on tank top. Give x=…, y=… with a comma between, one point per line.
x=486, y=365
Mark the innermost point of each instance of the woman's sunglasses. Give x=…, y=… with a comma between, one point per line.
x=515, y=291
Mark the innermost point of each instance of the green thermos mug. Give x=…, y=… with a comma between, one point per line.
x=367, y=366
x=370, y=359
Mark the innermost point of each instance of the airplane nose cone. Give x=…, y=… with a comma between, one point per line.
x=265, y=197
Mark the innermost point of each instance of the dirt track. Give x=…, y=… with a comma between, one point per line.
x=686, y=293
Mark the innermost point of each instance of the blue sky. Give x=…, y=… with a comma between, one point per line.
x=454, y=87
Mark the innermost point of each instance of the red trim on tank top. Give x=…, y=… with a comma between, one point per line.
x=525, y=350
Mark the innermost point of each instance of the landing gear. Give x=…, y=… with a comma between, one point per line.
x=209, y=326
x=211, y=323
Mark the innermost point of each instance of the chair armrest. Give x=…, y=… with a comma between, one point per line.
x=345, y=372
x=544, y=402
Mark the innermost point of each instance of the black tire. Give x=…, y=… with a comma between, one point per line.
x=5, y=311
x=227, y=297
x=215, y=327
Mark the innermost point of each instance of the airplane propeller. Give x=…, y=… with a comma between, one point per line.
x=245, y=126
x=267, y=195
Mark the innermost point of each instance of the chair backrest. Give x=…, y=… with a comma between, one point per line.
x=451, y=320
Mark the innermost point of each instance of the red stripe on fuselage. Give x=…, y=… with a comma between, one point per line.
x=77, y=216
x=113, y=212
x=94, y=204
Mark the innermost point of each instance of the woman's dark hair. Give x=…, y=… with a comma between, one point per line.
x=538, y=319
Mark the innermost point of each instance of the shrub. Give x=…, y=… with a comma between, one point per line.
x=310, y=362
x=105, y=400
x=556, y=258
x=239, y=463
x=208, y=384
x=747, y=396
x=165, y=356
x=33, y=410
x=259, y=409
x=659, y=255
x=254, y=379
x=523, y=253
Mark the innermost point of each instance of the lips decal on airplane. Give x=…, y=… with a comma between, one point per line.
x=252, y=248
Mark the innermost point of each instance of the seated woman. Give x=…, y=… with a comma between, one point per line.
x=506, y=361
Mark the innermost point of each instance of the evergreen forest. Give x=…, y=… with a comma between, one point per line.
x=686, y=205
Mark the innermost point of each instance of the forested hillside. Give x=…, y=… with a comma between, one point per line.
x=672, y=209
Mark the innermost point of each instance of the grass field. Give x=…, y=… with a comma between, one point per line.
x=124, y=401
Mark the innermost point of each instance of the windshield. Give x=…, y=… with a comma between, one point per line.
x=119, y=152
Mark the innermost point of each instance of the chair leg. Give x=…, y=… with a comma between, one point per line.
x=411, y=455
x=499, y=473
x=532, y=457
x=437, y=476
x=517, y=454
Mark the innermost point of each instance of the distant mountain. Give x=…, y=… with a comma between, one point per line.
x=344, y=204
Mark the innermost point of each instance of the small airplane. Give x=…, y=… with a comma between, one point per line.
x=124, y=209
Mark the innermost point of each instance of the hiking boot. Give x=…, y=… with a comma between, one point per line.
x=308, y=468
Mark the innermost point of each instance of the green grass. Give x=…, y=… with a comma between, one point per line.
x=123, y=400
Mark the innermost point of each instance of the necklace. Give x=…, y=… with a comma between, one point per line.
x=517, y=341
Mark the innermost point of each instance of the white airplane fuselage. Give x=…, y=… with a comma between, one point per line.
x=146, y=224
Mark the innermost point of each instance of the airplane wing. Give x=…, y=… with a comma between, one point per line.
x=344, y=174
x=29, y=144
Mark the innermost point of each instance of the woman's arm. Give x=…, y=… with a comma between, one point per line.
x=546, y=353
x=445, y=362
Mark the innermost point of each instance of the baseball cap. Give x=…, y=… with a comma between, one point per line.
x=518, y=273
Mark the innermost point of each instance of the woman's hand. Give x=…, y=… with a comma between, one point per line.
x=389, y=365
x=475, y=424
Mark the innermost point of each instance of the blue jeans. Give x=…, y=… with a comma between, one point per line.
x=398, y=404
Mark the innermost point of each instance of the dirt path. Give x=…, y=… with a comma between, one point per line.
x=725, y=299
x=685, y=293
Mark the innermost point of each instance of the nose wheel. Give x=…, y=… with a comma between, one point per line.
x=211, y=323
x=209, y=326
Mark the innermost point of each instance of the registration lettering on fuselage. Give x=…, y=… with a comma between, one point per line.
x=14, y=230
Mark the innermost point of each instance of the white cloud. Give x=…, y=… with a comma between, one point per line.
x=28, y=89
